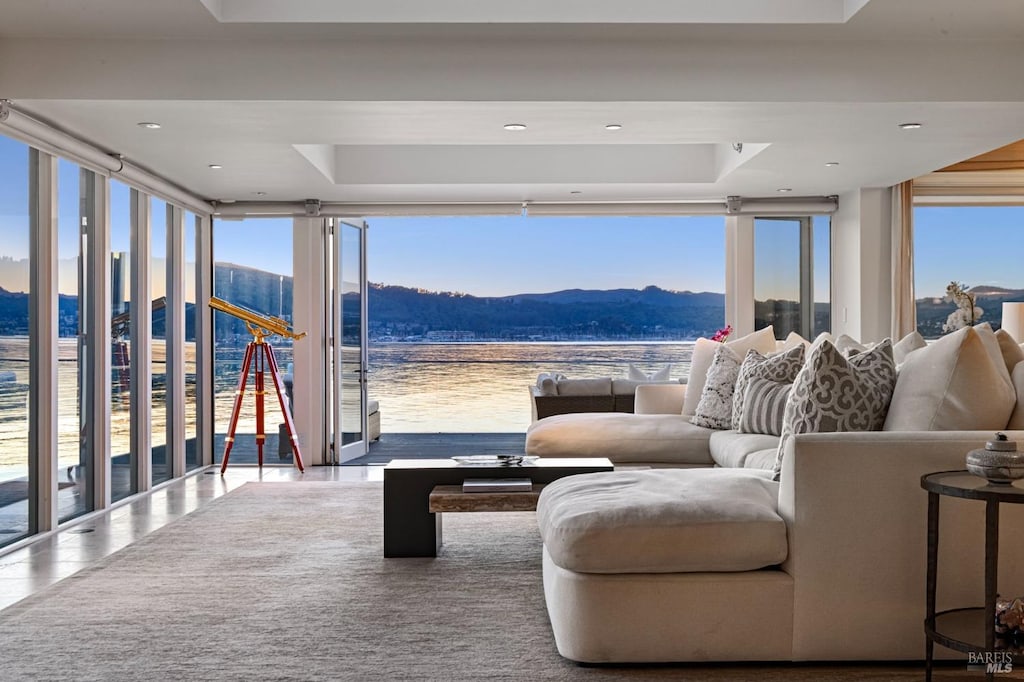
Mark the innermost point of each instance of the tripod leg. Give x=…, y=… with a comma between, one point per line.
x=289, y=425
x=236, y=410
x=261, y=435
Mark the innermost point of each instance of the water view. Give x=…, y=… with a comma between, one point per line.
x=483, y=387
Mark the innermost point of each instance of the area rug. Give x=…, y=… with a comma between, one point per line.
x=286, y=581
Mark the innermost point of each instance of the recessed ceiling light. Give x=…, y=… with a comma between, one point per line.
x=215, y=166
x=515, y=126
x=149, y=125
x=910, y=126
x=831, y=164
x=260, y=194
x=785, y=189
x=613, y=126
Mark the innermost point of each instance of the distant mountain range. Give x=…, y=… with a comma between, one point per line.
x=400, y=313
x=403, y=313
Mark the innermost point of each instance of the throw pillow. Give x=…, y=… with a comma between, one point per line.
x=764, y=406
x=637, y=374
x=953, y=384
x=547, y=382
x=835, y=393
x=1011, y=352
x=792, y=341
x=848, y=346
x=907, y=345
x=714, y=411
x=1016, y=422
x=763, y=340
x=782, y=367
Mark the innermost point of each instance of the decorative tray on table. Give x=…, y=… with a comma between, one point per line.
x=491, y=460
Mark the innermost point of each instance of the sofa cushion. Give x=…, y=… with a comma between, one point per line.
x=762, y=459
x=764, y=406
x=782, y=367
x=663, y=521
x=763, y=340
x=623, y=438
x=714, y=410
x=584, y=387
x=835, y=393
x=730, y=449
x=953, y=384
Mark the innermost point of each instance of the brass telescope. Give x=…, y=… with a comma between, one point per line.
x=259, y=325
x=259, y=356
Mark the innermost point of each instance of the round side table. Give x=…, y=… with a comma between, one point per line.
x=969, y=630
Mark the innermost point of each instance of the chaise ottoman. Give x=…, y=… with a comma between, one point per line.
x=666, y=565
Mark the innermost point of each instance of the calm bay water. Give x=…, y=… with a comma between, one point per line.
x=484, y=387
x=422, y=388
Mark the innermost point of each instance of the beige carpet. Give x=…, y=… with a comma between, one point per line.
x=286, y=581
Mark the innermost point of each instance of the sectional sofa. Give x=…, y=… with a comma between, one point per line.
x=710, y=559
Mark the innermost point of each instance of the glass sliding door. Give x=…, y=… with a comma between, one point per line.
x=348, y=333
x=74, y=459
x=792, y=271
x=15, y=359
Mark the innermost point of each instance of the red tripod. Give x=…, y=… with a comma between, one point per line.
x=260, y=353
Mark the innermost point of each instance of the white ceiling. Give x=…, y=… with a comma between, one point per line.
x=406, y=112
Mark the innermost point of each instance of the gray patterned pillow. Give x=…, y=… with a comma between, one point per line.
x=782, y=367
x=834, y=393
x=714, y=411
x=763, y=406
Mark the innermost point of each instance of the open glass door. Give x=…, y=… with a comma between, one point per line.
x=348, y=334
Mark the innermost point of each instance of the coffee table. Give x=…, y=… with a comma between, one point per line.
x=411, y=529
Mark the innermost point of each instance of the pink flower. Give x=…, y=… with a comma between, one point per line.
x=722, y=334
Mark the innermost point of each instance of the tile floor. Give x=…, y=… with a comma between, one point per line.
x=33, y=567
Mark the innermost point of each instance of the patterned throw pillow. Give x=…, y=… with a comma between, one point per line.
x=833, y=393
x=782, y=367
x=714, y=411
x=763, y=406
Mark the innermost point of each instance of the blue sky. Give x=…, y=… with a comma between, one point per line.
x=506, y=255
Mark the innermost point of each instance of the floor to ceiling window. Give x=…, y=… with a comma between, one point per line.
x=977, y=246
x=465, y=312
x=120, y=356
x=192, y=311
x=74, y=459
x=252, y=269
x=14, y=346
x=161, y=301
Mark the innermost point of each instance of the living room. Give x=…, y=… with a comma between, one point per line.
x=145, y=132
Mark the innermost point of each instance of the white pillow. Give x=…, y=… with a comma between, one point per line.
x=847, y=345
x=956, y=383
x=792, y=341
x=637, y=374
x=763, y=341
x=907, y=345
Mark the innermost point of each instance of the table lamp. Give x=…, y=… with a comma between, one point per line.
x=1013, y=320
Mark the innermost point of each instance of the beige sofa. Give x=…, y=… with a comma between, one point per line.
x=572, y=396
x=846, y=583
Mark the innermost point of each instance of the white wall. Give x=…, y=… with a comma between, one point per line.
x=861, y=264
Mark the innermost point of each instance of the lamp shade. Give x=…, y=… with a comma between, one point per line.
x=1013, y=320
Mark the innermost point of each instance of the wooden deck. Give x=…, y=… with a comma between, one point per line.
x=390, y=446
x=440, y=446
